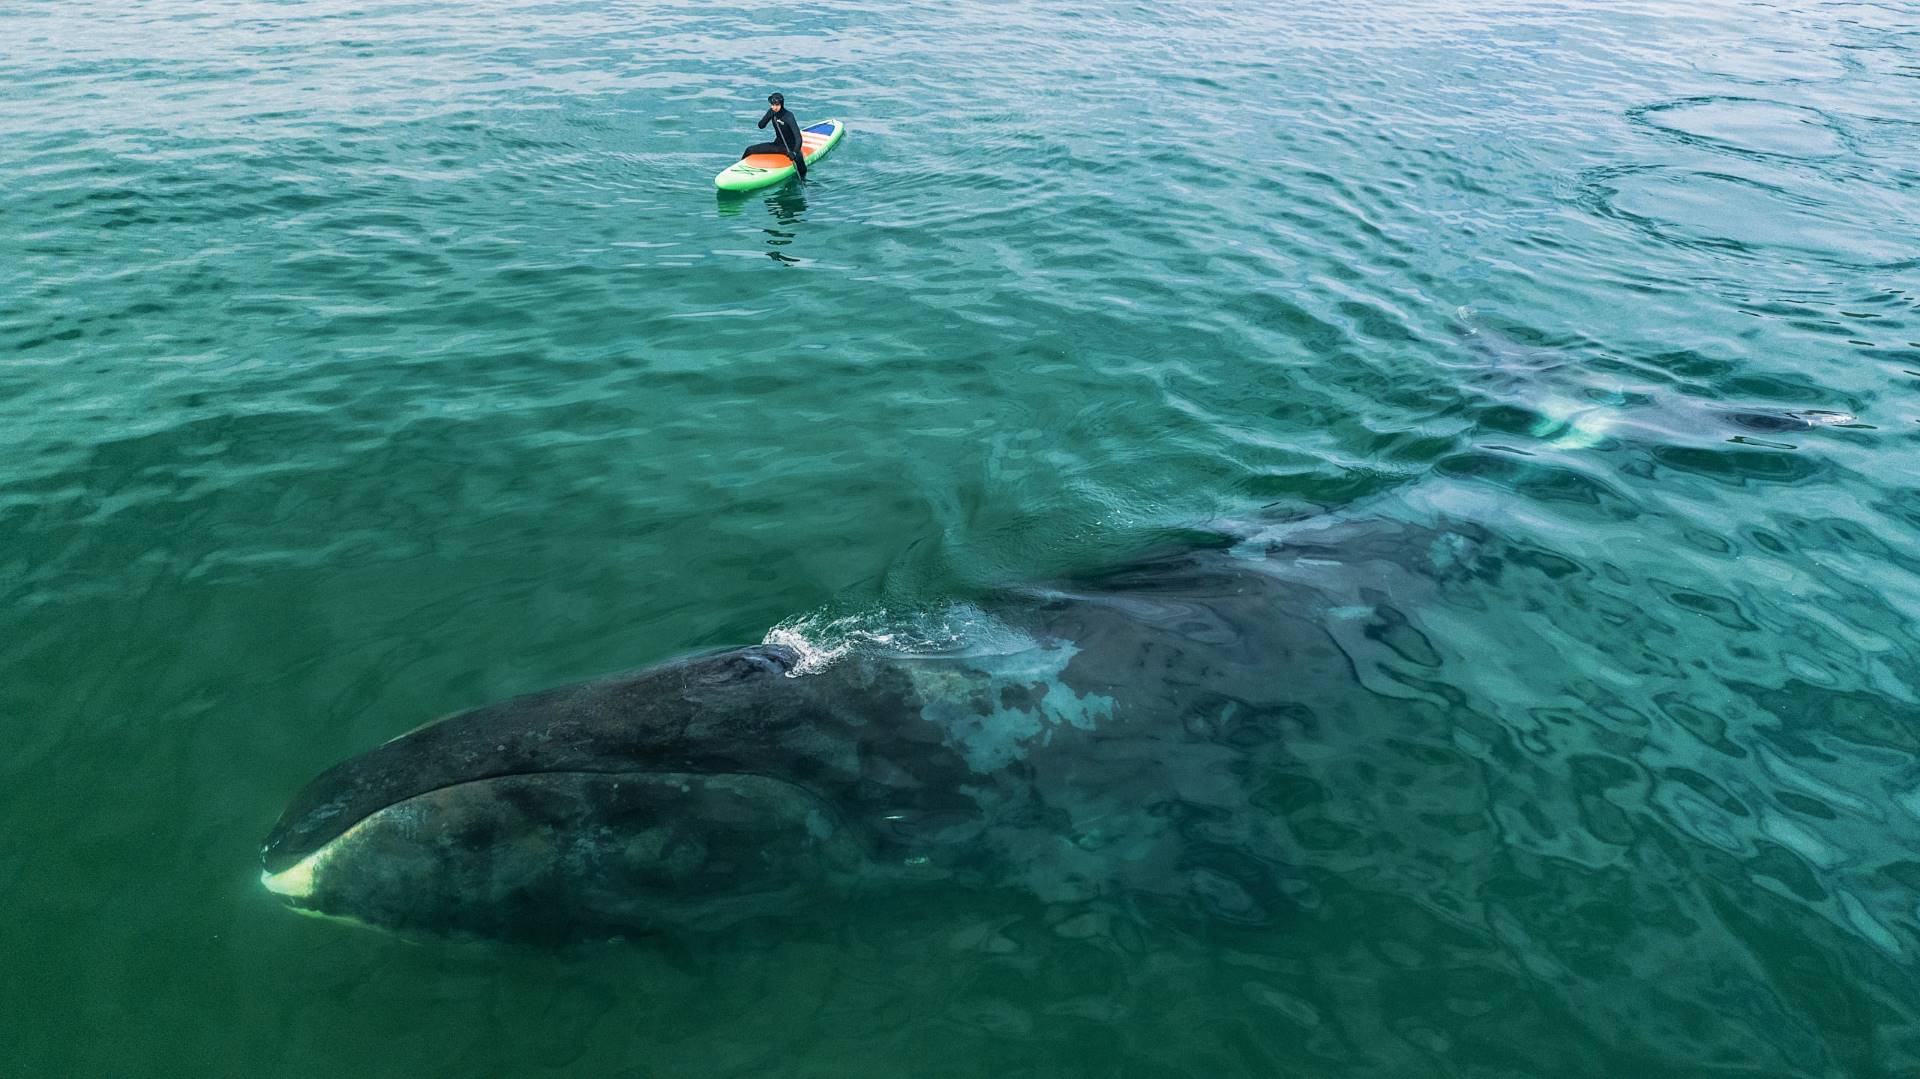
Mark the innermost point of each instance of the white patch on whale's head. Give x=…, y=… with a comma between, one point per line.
x=301, y=880
x=294, y=882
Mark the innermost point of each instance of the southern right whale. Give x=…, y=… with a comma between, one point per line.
x=1104, y=736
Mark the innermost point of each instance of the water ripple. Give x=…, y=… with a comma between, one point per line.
x=364, y=362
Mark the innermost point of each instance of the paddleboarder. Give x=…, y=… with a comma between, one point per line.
x=786, y=133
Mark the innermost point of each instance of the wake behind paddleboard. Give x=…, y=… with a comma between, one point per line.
x=759, y=170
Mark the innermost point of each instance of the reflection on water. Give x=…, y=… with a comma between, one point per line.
x=786, y=202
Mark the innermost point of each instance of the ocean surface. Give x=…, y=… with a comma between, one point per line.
x=363, y=362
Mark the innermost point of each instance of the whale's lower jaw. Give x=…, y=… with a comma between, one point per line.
x=295, y=882
x=545, y=854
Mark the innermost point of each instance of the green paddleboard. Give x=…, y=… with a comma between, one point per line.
x=759, y=170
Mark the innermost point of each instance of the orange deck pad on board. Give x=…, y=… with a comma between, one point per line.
x=808, y=146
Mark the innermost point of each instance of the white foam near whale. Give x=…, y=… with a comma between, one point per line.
x=821, y=639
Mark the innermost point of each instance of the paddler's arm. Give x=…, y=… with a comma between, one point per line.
x=768, y=115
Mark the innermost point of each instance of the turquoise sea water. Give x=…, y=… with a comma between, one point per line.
x=364, y=362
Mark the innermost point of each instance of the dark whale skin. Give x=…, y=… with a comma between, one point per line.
x=1105, y=736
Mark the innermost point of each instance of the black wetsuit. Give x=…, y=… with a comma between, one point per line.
x=786, y=139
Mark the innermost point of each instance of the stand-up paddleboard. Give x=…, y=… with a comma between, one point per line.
x=759, y=170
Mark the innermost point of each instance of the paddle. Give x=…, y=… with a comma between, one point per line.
x=797, y=153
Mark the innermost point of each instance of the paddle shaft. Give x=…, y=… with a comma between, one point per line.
x=798, y=153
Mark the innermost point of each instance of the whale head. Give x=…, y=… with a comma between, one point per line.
x=635, y=801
